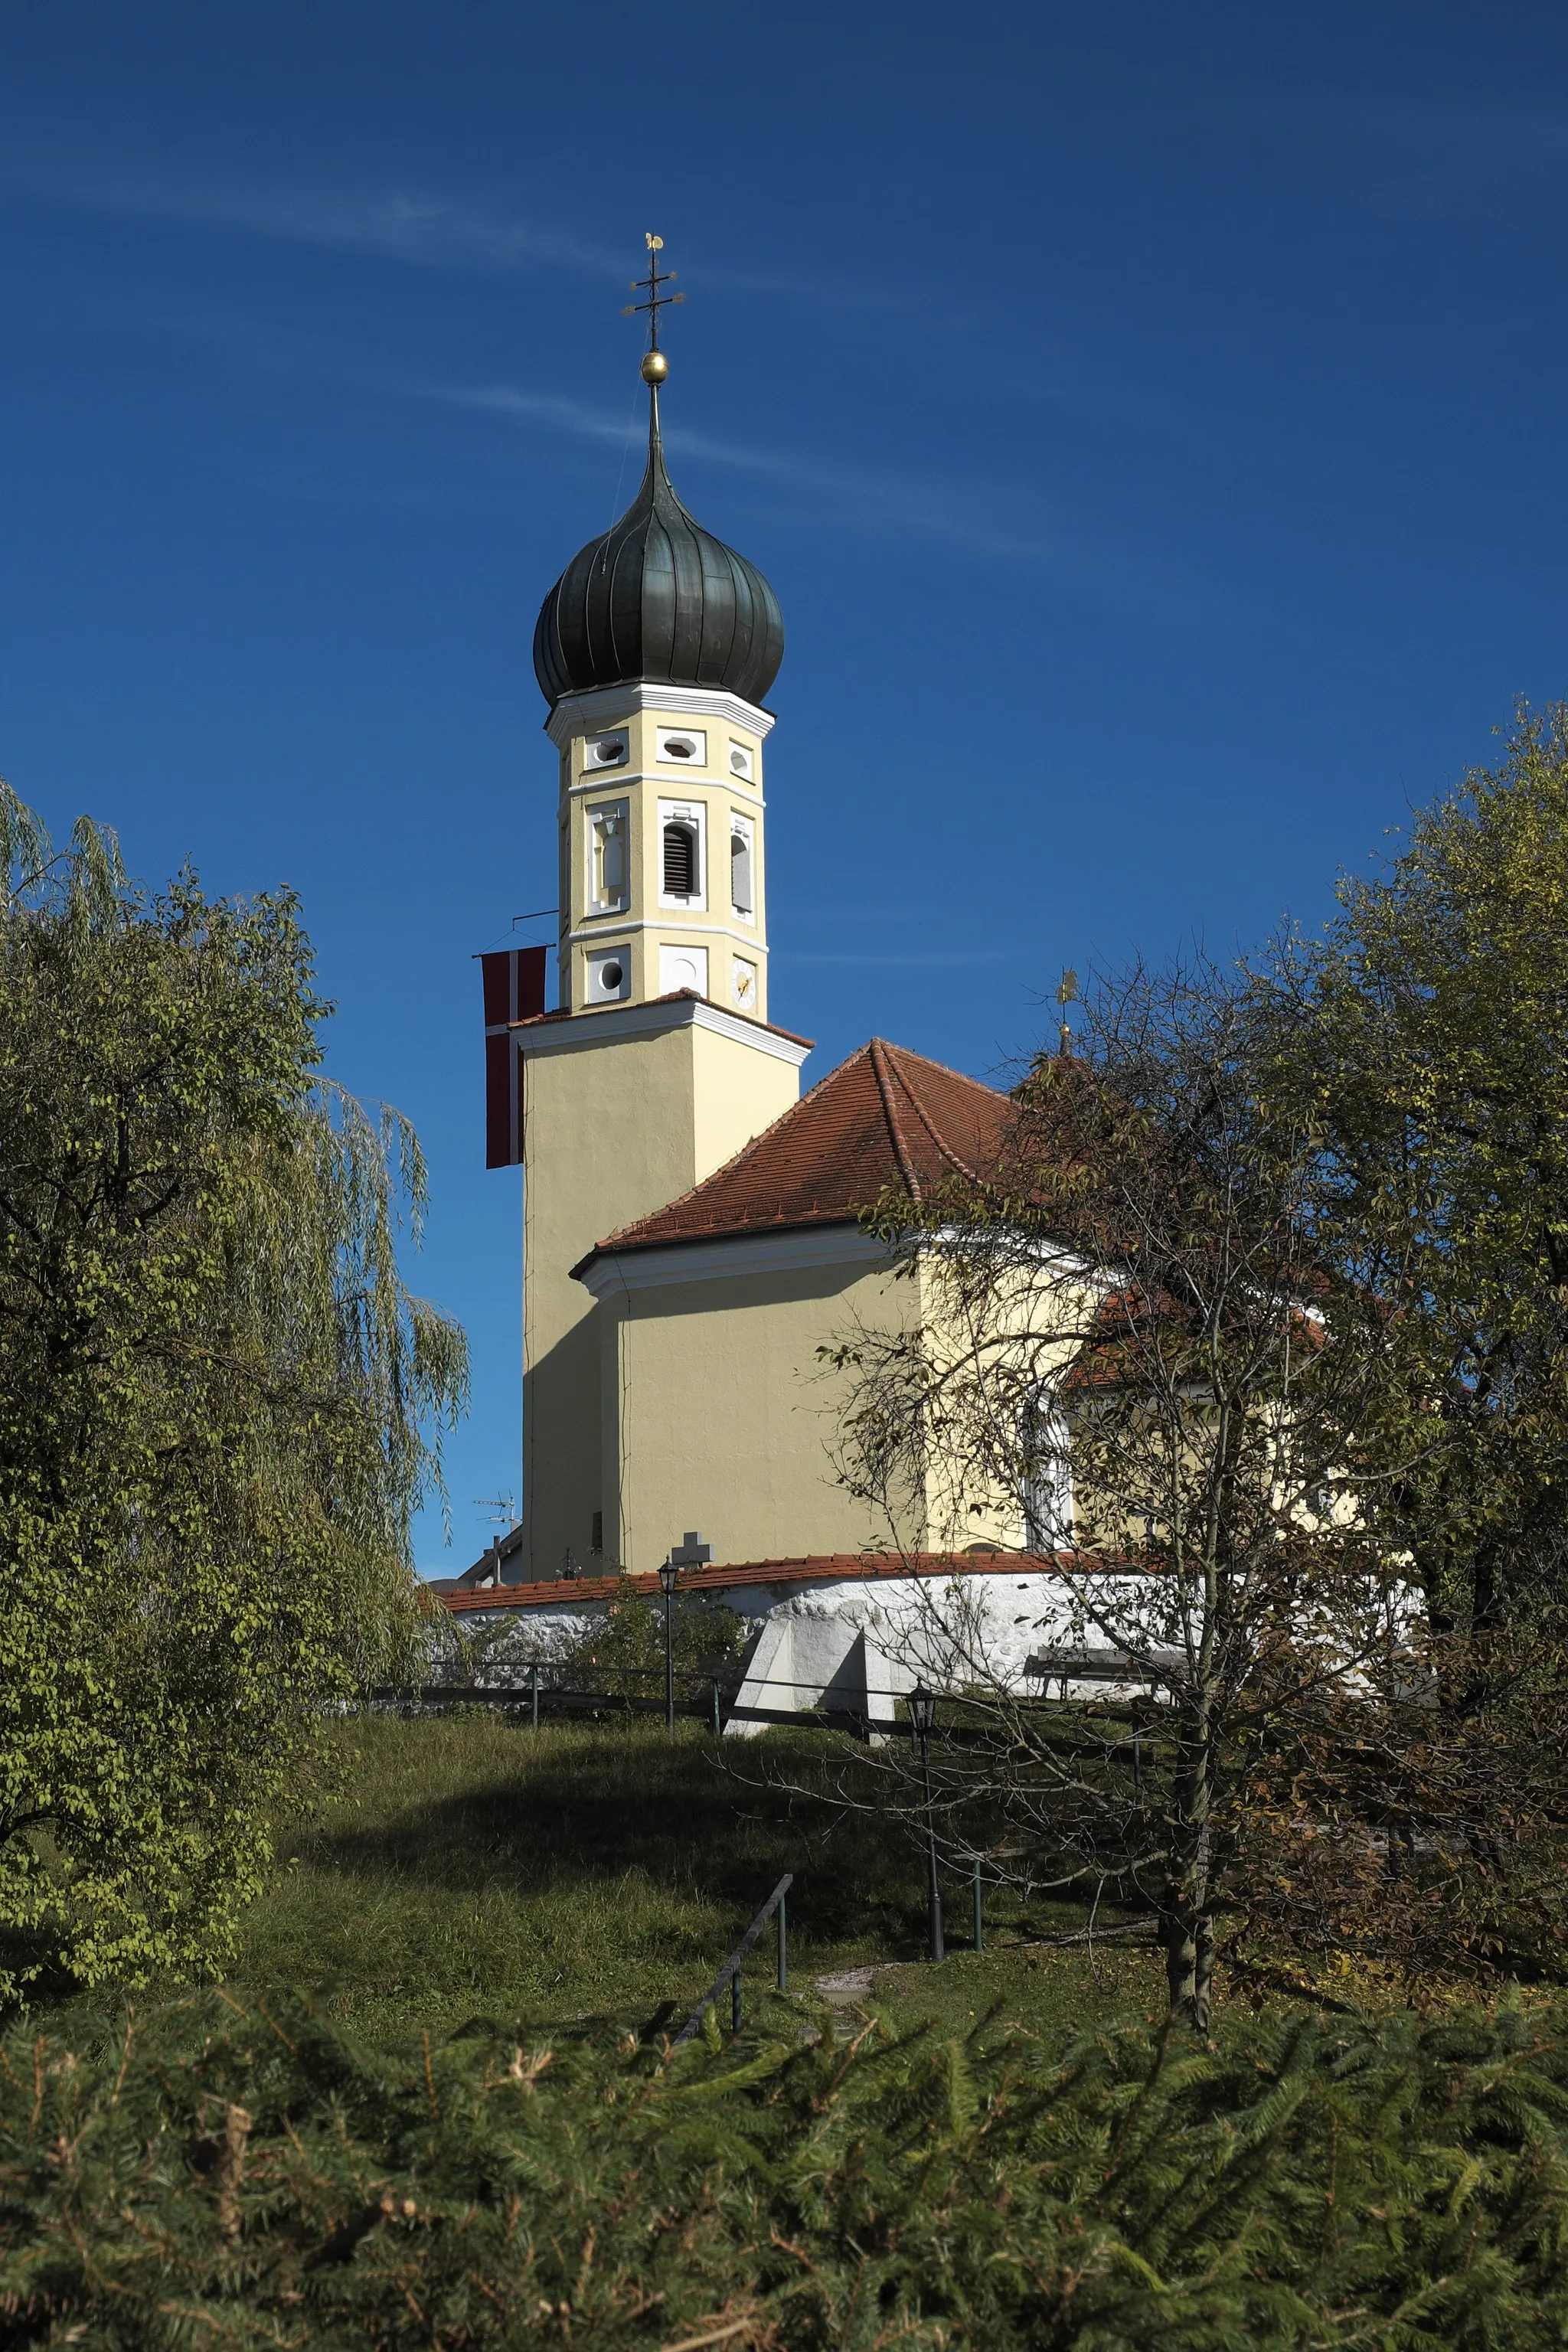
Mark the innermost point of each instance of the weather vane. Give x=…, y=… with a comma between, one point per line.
x=653, y=366
x=1065, y=995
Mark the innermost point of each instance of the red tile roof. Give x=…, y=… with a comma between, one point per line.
x=884, y=1117
x=822, y=1568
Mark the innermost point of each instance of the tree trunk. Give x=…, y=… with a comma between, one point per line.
x=1187, y=1933
x=1187, y=1918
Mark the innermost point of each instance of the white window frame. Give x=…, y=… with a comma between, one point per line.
x=695, y=814
x=604, y=812
x=664, y=736
x=743, y=762
x=743, y=828
x=1047, y=1493
x=594, y=960
x=619, y=737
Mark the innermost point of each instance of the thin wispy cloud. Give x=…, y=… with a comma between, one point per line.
x=978, y=518
x=429, y=230
x=926, y=506
x=422, y=227
x=975, y=956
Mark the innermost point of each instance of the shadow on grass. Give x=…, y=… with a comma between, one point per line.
x=575, y=1811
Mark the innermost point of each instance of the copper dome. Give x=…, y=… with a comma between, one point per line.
x=659, y=599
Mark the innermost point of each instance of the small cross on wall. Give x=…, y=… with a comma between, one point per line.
x=691, y=1551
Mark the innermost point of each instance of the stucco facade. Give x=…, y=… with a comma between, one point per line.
x=622, y=1110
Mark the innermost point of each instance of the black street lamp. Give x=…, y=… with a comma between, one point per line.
x=922, y=1721
x=690, y=1552
x=668, y=1577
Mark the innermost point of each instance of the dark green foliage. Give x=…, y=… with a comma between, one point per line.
x=216, y=1404
x=247, y=2179
x=627, y=1646
x=619, y=1650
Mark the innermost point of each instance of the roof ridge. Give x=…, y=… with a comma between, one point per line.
x=879, y=1051
x=752, y=1143
x=897, y=1057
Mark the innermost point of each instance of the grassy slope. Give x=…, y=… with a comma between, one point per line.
x=471, y=1868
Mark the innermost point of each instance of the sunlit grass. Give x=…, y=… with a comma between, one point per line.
x=472, y=1868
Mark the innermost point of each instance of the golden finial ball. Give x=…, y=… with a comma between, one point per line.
x=653, y=367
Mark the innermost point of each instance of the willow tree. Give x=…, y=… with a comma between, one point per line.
x=1140, y=1292
x=219, y=1404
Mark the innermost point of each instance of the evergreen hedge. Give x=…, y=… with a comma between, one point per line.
x=224, y=2177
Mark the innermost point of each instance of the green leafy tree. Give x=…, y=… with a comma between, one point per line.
x=1426, y=1038
x=219, y=1405
x=1160, y=1283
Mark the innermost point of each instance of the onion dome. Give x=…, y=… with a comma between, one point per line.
x=658, y=599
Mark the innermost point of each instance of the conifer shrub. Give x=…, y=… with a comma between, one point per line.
x=238, y=2177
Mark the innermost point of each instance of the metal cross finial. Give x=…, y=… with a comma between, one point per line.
x=650, y=286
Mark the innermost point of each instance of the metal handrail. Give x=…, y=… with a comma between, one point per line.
x=729, y=1974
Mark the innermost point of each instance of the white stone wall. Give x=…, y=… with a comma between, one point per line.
x=853, y=1645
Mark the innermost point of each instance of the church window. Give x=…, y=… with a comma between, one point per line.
x=1047, y=1499
x=741, y=763
x=688, y=746
x=607, y=859
x=605, y=751
x=682, y=853
x=679, y=862
x=742, y=893
x=609, y=975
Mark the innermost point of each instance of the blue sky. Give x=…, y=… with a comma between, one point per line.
x=1152, y=420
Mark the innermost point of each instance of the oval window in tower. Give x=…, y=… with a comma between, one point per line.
x=686, y=746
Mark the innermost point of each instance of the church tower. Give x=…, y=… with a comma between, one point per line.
x=654, y=650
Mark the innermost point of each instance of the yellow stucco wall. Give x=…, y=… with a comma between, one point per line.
x=613, y=1129
x=640, y=922
x=718, y=1415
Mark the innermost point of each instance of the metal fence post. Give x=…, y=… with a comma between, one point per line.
x=783, y=1944
x=718, y=1727
x=979, y=1910
x=534, y=1686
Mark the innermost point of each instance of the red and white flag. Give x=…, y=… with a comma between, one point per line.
x=514, y=990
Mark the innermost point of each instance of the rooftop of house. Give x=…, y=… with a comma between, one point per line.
x=824, y=1568
x=884, y=1119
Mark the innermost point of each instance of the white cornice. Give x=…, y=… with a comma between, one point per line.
x=601, y=781
x=596, y=928
x=580, y=714
x=736, y=1254
x=601, y=1025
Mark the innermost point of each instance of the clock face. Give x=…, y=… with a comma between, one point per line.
x=745, y=984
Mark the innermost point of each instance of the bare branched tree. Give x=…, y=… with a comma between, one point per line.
x=1134, y=1349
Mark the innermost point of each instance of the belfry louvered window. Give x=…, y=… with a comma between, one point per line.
x=679, y=861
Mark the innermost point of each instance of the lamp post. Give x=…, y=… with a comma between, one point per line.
x=690, y=1552
x=668, y=1577
x=923, y=1717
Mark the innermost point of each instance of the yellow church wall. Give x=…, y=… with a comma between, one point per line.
x=614, y=1126
x=1000, y=1338
x=727, y=1420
